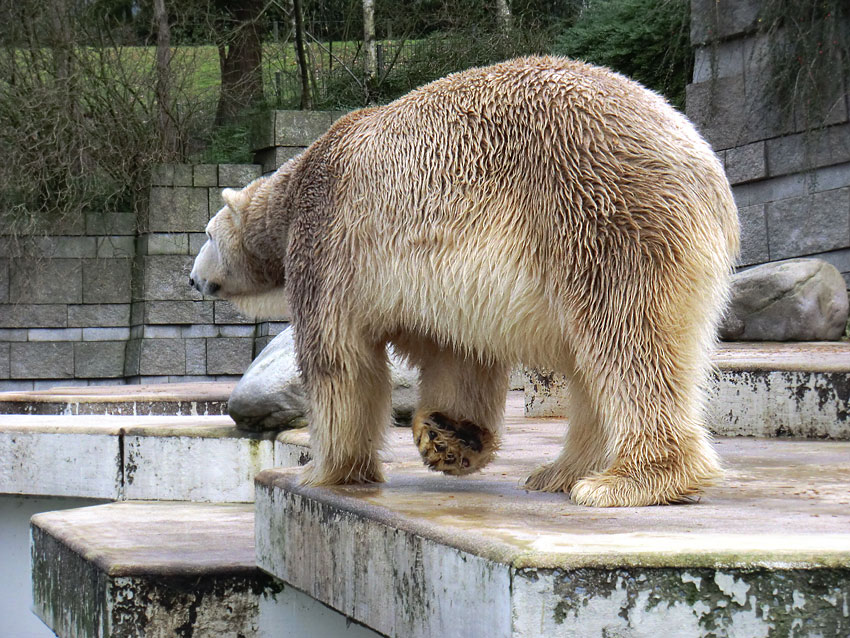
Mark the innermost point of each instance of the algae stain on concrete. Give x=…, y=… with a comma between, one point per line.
x=709, y=603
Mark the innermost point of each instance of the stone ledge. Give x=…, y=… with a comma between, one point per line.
x=191, y=399
x=129, y=569
x=757, y=389
x=414, y=556
x=131, y=457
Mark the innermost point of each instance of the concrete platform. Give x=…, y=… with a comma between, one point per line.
x=170, y=399
x=148, y=569
x=200, y=458
x=766, y=553
x=757, y=389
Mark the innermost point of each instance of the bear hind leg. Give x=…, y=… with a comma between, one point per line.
x=586, y=450
x=660, y=452
x=457, y=426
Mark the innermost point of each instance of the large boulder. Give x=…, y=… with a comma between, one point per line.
x=270, y=396
x=794, y=300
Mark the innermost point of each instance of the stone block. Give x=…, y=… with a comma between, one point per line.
x=804, y=151
x=229, y=355
x=273, y=158
x=262, y=131
x=754, y=249
x=237, y=331
x=163, y=332
x=137, y=310
x=828, y=178
x=162, y=357
x=106, y=334
x=98, y=315
x=62, y=247
x=110, y=224
x=205, y=175
x=132, y=357
x=196, y=241
x=163, y=175
x=45, y=281
x=199, y=331
x=746, y=163
x=769, y=190
x=178, y=209
x=44, y=360
x=810, y=224
x=237, y=175
x=13, y=334
x=302, y=128
x=5, y=370
x=722, y=19
x=736, y=111
x=183, y=175
x=107, y=281
x=33, y=315
x=54, y=334
x=718, y=60
x=99, y=359
x=167, y=244
x=166, y=278
x=116, y=246
x=216, y=202
x=4, y=280
x=196, y=356
x=179, y=312
x=226, y=312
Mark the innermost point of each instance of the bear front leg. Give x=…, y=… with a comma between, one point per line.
x=457, y=426
x=350, y=410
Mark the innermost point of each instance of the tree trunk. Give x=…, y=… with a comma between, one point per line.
x=165, y=118
x=370, y=54
x=241, y=67
x=301, y=56
x=505, y=17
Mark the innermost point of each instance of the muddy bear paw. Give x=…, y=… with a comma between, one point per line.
x=451, y=446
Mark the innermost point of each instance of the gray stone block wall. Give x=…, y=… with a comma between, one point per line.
x=792, y=186
x=104, y=298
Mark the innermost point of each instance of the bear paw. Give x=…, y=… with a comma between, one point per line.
x=551, y=477
x=452, y=447
x=609, y=490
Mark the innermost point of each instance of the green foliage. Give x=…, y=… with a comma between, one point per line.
x=422, y=61
x=647, y=40
x=808, y=49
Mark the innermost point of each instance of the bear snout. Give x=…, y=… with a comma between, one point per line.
x=204, y=287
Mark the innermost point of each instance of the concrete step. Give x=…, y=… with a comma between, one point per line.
x=148, y=569
x=164, y=570
x=153, y=399
x=767, y=552
x=757, y=389
x=189, y=458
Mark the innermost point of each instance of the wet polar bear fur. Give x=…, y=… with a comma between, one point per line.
x=541, y=211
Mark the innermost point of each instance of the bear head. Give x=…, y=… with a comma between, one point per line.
x=239, y=262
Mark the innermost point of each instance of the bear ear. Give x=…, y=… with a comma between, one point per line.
x=237, y=200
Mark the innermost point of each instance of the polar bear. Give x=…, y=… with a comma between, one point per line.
x=541, y=211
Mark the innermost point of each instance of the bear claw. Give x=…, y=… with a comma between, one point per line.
x=450, y=446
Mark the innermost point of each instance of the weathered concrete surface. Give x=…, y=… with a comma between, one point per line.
x=756, y=389
x=766, y=553
x=153, y=399
x=148, y=569
x=201, y=458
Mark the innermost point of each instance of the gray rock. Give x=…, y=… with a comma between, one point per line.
x=794, y=300
x=270, y=396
